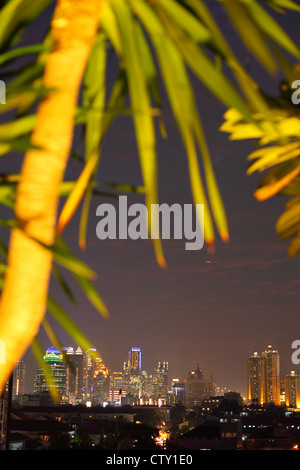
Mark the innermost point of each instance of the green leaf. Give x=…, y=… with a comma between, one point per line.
x=21, y=52
x=64, y=257
x=110, y=26
x=148, y=65
x=66, y=322
x=186, y=21
x=77, y=193
x=270, y=156
x=215, y=198
x=94, y=88
x=92, y=294
x=142, y=113
x=39, y=354
x=294, y=247
x=7, y=194
x=3, y=250
x=85, y=283
x=93, y=100
x=248, y=86
x=15, y=15
x=25, y=78
x=277, y=178
x=63, y=283
x=209, y=74
x=271, y=28
x=288, y=4
x=250, y=34
x=200, y=9
x=17, y=128
x=289, y=222
x=181, y=99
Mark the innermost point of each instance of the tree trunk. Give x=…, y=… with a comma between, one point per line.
x=23, y=301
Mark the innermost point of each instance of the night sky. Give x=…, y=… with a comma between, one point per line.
x=212, y=309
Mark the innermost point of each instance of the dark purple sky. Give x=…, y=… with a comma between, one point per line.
x=216, y=313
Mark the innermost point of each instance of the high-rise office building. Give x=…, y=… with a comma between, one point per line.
x=292, y=390
x=256, y=379
x=88, y=374
x=134, y=362
x=93, y=365
x=178, y=392
x=272, y=375
x=116, y=387
x=75, y=374
x=19, y=379
x=160, y=381
x=198, y=388
x=54, y=362
x=132, y=373
x=101, y=386
x=264, y=377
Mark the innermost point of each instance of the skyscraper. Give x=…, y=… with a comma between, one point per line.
x=256, y=379
x=100, y=386
x=116, y=388
x=19, y=379
x=178, y=392
x=93, y=364
x=264, y=377
x=135, y=360
x=132, y=373
x=54, y=361
x=74, y=387
x=272, y=375
x=198, y=388
x=292, y=390
x=160, y=381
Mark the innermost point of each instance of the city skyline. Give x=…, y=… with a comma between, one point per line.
x=259, y=366
x=212, y=308
x=128, y=362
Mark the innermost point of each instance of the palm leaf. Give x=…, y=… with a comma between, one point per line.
x=142, y=114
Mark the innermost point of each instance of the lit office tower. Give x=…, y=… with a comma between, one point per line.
x=198, y=388
x=178, y=392
x=292, y=390
x=92, y=363
x=132, y=373
x=272, y=375
x=53, y=359
x=19, y=379
x=160, y=381
x=101, y=385
x=116, y=387
x=135, y=360
x=256, y=379
x=74, y=388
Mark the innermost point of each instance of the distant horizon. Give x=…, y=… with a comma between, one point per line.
x=29, y=389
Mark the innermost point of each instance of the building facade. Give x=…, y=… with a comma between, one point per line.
x=256, y=379
x=75, y=374
x=178, y=392
x=292, y=390
x=19, y=379
x=272, y=375
x=264, y=377
x=198, y=388
x=55, y=364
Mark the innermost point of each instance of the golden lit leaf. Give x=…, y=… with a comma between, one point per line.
x=77, y=193
x=265, y=192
